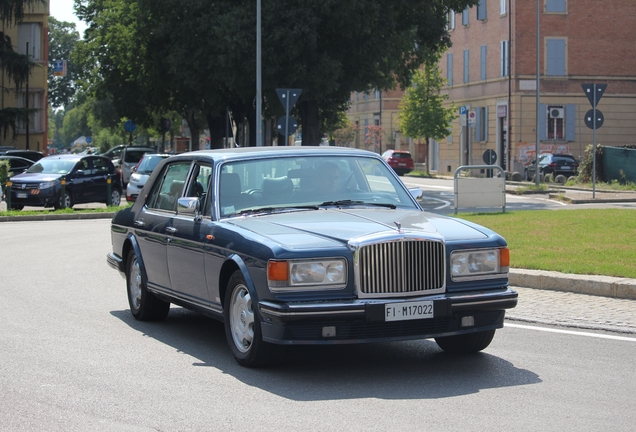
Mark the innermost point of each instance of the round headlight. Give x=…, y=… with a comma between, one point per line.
x=335, y=272
x=459, y=264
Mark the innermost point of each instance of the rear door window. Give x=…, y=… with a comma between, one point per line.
x=169, y=187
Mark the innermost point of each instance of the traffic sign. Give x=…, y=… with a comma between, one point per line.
x=472, y=117
x=288, y=97
x=59, y=67
x=490, y=157
x=594, y=92
x=89, y=140
x=589, y=118
x=287, y=125
x=130, y=126
x=462, y=110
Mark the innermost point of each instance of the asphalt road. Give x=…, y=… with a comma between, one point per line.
x=73, y=358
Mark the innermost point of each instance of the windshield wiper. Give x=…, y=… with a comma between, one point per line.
x=269, y=209
x=352, y=202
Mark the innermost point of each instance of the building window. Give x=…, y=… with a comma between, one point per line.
x=466, y=66
x=357, y=97
x=35, y=119
x=503, y=58
x=555, y=54
x=449, y=69
x=502, y=6
x=450, y=20
x=465, y=17
x=365, y=96
x=378, y=94
x=555, y=123
x=555, y=6
x=30, y=33
x=558, y=123
x=481, y=124
x=481, y=10
x=483, y=62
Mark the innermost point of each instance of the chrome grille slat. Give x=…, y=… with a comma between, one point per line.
x=401, y=268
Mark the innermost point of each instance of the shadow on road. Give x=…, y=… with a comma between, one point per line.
x=396, y=370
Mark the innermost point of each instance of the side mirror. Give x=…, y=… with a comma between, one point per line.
x=416, y=192
x=189, y=206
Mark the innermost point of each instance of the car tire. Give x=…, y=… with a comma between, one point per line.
x=242, y=325
x=64, y=202
x=144, y=305
x=466, y=343
x=115, y=197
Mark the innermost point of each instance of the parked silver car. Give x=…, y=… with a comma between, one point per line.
x=141, y=173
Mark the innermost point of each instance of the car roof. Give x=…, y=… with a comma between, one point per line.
x=6, y=157
x=257, y=152
x=74, y=157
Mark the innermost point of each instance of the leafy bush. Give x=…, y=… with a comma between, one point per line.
x=587, y=163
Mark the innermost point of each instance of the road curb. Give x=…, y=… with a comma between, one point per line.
x=63, y=216
x=606, y=286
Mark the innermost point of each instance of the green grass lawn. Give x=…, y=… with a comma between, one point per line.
x=65, y=211
x=590, y=241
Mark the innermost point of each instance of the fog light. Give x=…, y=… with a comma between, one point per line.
x=329, y=331
x=467, y=321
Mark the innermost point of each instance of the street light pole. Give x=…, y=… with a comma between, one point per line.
x=536, y=154
x=259, y=90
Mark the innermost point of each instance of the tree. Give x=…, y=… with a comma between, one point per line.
x=15, y=66
x=373, y=137
x=422, y=114
x=198, y=57
x=62, y=40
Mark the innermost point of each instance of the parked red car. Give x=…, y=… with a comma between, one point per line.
x=400, y=160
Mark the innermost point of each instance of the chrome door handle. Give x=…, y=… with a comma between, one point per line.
x=139, y=223
x=171, y=230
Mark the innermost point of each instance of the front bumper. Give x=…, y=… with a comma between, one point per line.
x=359, y=321
x=116, y=262
x=26, y=197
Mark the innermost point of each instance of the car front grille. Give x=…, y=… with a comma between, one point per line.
x=400, y=268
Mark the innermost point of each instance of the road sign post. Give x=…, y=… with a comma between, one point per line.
x=594, y=119
x=288, y=98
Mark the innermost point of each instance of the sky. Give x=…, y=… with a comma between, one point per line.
x=62, y=10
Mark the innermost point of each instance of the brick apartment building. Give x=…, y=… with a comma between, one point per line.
x=32, y=31
x=491, y=68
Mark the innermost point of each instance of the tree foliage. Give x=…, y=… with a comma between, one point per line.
x=422, y=114
x=197, y=57
x=62, y=40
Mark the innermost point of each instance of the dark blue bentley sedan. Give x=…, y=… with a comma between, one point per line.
x=307, y=245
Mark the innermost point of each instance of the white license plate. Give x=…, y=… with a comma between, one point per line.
x=21, y=195
x=566, y=167
x=402, y=164
x=408, y=311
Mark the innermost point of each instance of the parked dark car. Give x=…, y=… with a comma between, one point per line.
x=400, y=160
x=85, y=176
x=555, y=164
x=141, y=172
x=307, y=245
x=17, y=165
x=114, y=153
x=32, y=155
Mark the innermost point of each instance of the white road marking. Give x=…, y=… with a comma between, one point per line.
x=571, y=332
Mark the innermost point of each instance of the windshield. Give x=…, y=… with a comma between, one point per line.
x=148, y=163
x=309, y=182
x=52, y=166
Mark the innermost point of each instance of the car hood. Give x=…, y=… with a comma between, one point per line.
x=36, y=177
x=330, y=227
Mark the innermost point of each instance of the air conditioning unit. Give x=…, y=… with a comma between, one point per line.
x=557, y=113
